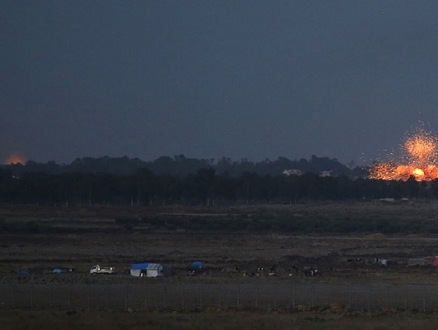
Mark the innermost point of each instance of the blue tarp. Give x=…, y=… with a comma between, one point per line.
x=197, y=265
x=139, y=266
x=46, y=270
x=146, y=269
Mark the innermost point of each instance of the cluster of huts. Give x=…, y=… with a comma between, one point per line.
x=144, y=269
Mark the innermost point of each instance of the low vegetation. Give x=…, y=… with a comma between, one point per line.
x=310, y=218
x=344, y=240
x=217, y=319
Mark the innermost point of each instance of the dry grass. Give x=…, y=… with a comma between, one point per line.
x=39, y=320
x=376, y=236
x=119, y=247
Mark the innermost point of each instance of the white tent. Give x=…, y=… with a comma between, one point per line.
x=154, y=270
x=146, y=269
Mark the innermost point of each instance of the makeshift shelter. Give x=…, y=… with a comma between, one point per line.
x=46, y=270
x=433, y=261
x=146, y=269
x=196, y=267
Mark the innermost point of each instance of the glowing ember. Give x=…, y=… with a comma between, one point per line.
x=419, y=155
x=15, y=159
x=421, y=147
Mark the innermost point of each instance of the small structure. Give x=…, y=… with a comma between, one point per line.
x=146, y=270
x=325, y=174
x=292, y=172
x=197, y=265
x=432, y=261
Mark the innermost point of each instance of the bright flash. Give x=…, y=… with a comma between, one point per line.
x=418, y=172
x=419, y=159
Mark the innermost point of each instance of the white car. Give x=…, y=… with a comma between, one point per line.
x=102, y=270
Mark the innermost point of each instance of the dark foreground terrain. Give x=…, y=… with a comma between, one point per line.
x=218, y=319
x=263, y=265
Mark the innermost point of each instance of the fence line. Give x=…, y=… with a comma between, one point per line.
x=182, y=296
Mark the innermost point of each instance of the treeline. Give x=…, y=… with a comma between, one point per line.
x=205, y=187
x=180, y=166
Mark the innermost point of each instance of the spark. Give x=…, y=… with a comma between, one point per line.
x=419, y=156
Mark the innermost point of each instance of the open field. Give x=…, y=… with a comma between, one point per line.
x=238, y=263
x=214, y=319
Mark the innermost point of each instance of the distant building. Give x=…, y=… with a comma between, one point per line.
x=292, y=172
x=324, y=174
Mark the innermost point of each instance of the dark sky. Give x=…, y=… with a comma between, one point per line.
x=242, y=79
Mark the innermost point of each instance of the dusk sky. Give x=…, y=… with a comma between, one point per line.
x=241, y=79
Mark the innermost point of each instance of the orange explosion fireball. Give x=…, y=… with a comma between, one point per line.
x=419, y=155
x=15, y=159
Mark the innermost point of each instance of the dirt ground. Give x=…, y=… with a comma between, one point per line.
x=311, y=320
x=90, y=235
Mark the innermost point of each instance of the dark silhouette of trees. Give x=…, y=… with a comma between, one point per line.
x=205, y=187
x=181, y=165
x=185, y=181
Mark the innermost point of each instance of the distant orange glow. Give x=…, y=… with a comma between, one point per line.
x=420, y=159
x=15, y=159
